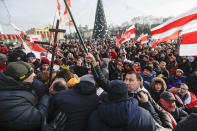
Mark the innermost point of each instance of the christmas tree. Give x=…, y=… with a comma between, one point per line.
x=100, y=26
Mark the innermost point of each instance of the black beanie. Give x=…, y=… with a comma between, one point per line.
x=149, y=68
x=19, y=70
x=117, y=90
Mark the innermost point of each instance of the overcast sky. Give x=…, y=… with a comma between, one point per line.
x=34, y=13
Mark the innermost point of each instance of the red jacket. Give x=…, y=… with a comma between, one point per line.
x=190, y=101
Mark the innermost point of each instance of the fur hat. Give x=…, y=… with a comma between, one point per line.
x=19, y=70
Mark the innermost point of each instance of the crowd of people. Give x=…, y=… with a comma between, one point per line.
x=129, y=88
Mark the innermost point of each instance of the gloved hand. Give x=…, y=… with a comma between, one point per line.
x=58, y=124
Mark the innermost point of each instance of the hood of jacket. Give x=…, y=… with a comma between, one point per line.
x=9, y=83
x=85, y=88
x=105, y=62
x=118, y=114
x=160, y=80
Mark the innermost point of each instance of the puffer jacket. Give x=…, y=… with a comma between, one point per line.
x=121, y=115
x=20, y=109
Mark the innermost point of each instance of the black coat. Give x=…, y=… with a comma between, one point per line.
x=77, y=103
x=192, y=83
x=20, y=109
x=179, y=114
x=189, y=124
x=120, y=116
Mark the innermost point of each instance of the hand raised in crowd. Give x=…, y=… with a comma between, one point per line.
x=90, y=59
x=142, y=97
x=174, y=90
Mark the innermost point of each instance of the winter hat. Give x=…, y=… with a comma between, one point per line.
x=3, y=58
x=179, y=70
x=117, y=90
x=43, y=54
x=30, y=55
x=19, y=70
x=149, y=68
x=167, y=96
x=45, y=61
x=88, y=78
x=4, y=50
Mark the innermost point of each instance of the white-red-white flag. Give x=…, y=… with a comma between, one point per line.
x=144, y=39
x=36, y=49
x=175, y=24
x=188, y=46
x=130, y=33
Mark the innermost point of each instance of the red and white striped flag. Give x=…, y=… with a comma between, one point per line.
x=36, y=49
x=175, y=24
x=144, y=39
x=188, y=46
x=174, y=36
x=59, y=10
x=130, y=33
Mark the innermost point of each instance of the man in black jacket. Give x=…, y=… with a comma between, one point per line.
x=20, y=109
x=77, y=103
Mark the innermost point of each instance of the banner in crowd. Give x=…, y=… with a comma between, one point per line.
x=11, y=38
x=36, y=49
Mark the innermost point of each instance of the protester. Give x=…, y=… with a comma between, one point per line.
x=77, y=103
x=186, y=99
x=157, y=86
x=119, y=112
x=20, y=108
x=167, y=101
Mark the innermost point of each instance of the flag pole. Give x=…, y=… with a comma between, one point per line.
x=79, y=34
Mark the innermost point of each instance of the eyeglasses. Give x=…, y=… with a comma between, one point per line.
x=183, y=89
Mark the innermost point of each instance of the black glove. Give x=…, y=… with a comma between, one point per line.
x=58, y=124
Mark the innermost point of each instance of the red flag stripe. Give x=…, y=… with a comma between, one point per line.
x=177, y=23
x=189, y=38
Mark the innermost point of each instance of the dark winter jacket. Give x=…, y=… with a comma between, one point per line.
x=179, y=114
x=120, y=116
x=174, y=81
x=80, y=70
x=20, y=109
x=77, y=103
x=192, y=84
x=186, y=67
x=189, y=124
